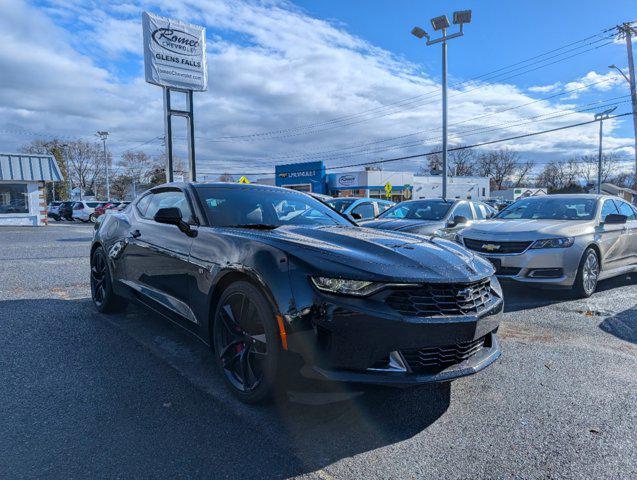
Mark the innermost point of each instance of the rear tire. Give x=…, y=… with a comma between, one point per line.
x=91, y=218
x=104, y=298
x=247, y=347
x=587, y=274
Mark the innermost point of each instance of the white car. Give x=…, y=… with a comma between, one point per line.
x=84, y=211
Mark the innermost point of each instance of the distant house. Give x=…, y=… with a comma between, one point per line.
x=627, y=194
x=22, y=180
x=515, y=193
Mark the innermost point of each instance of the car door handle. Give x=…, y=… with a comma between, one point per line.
x=136, y=234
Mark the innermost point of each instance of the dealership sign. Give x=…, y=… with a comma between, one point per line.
x=174, y=53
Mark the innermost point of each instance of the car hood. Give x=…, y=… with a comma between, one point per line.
x=358, y=252
x=403, y=224
x=527, y=229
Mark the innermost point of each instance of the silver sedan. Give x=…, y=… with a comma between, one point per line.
x=568, y=241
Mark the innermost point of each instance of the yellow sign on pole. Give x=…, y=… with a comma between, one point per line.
x=388, y=187
x=243, y=179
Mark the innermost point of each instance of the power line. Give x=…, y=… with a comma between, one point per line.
x=421, y=155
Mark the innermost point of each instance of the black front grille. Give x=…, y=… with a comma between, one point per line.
x=434, y=359
x=441, y=299
x=487, y=246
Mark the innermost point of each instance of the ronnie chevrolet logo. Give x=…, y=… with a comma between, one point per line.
x=177, y=41
x=346, y=180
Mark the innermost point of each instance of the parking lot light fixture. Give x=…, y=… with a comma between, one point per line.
x=615, y=67
x=461, y=17
x=442, y=23
x=419, y=32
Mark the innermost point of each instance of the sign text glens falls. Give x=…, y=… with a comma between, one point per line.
x=174, y=53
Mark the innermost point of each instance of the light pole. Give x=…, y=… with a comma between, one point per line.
x=442, y=23
x=103, y=136
x=601, y=117
x=69, y=186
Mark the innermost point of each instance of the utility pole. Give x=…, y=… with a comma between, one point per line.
x=69, y=186
x=441, y=23
x=601, y=117
x=103, y=136
x=626, y=30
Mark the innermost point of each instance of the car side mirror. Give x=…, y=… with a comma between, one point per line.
x=457, y=220
x=356, y=216
x=615, y=219
x=172, y=216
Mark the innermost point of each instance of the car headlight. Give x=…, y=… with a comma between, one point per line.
x=559, y=242
x=343, y=286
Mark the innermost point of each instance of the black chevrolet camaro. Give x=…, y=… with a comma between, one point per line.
x=273, y=280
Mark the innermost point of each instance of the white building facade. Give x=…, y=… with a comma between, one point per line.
x=430, y=186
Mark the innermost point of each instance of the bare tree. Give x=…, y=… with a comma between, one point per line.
x=225, y=177
x=589, y=166
x=499, y=165
x=461, y=163
x=559, y=176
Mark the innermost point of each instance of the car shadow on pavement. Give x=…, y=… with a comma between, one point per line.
x=132, y=395
x=524, y=297
x=623, y=325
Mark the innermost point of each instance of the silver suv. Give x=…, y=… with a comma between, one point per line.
x=569, y=241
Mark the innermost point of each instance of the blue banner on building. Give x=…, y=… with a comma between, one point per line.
x=307, y=177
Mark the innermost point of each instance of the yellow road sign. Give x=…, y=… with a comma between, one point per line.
x=388, y=187
x=243, y=179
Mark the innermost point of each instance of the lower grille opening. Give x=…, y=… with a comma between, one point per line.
x=507, y=270
x=545, y=273
x=431, y=360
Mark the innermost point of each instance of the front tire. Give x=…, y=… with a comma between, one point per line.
x=246, y=343
x=104, y=298
x=91, y=218
x=587, y=274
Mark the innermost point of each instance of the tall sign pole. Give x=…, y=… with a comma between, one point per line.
x=175, y=59
x=627, y=31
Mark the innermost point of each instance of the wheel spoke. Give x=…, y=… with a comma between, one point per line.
x=227, y=317
x=228, y=348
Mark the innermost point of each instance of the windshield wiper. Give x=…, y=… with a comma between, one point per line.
x=256, y=226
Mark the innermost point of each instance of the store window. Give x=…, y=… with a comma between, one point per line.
x=14, y=198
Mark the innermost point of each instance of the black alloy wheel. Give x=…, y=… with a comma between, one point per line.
x=246, y=342
x=104, y=298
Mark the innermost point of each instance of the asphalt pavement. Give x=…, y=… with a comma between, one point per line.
x=86, y=395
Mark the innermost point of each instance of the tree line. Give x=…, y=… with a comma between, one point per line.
x=506, y=169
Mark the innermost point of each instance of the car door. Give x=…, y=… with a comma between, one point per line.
x=629, y=236
x=610, y=237
x=157, y=255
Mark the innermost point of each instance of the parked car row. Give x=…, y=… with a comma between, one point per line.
x=84, y=211
x=278, y=282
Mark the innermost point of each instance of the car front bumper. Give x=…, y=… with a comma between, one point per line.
x=550, y=266
x=353, y=340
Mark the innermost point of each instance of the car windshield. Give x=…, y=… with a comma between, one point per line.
x=264, y=208
x=418, y=210
x=550, y=208
x=340, y=205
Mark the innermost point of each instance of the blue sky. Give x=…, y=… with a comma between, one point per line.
x=74, y=67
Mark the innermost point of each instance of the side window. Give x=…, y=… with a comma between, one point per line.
x=607, y=209
x=626, y=209
x=463, y=209
x=382, y=207
x=142, y=205
x=365, y=210
x=167, y=199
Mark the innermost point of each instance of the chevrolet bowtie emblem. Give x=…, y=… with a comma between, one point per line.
x=490, y=247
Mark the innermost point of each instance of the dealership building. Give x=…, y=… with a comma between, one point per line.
x=312, y=177
x=22, y=193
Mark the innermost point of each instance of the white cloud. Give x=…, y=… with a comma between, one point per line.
x=73, y=68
